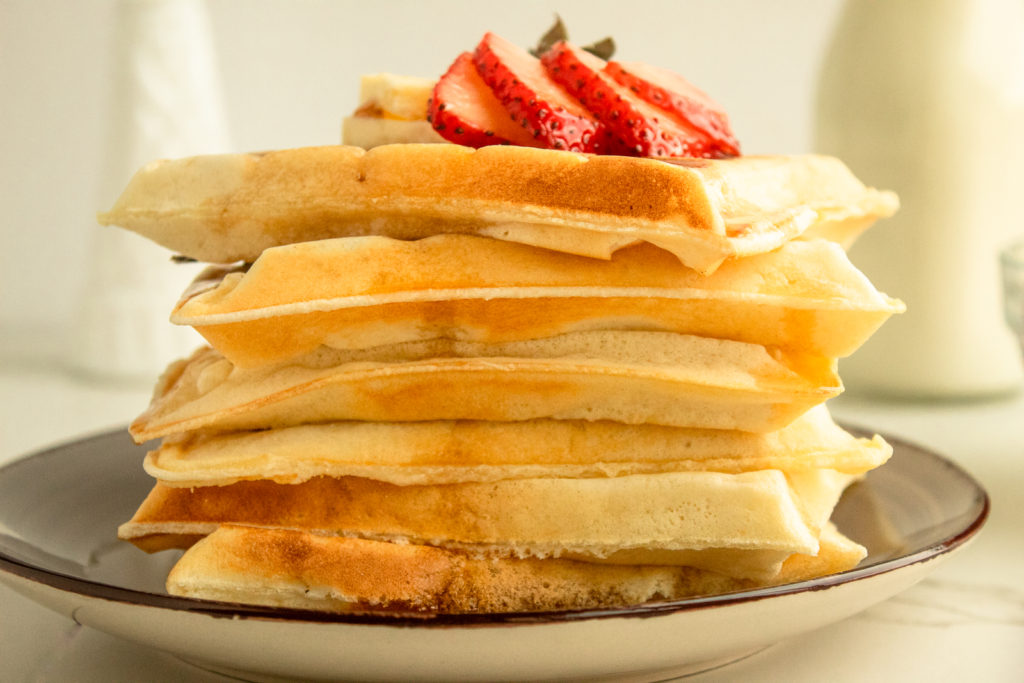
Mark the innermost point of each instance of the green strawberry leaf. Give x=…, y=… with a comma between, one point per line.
x=554, y=34
x=604, y=48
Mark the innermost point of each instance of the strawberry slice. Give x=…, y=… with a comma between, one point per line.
x=535, y=101
x=673, y=93
x=637, y=127
x=465, y=111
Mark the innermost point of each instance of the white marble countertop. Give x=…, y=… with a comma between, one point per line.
x=964, y=622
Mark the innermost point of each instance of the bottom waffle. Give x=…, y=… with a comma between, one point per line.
x=303, y=570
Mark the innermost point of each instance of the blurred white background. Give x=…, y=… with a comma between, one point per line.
x=290, y=71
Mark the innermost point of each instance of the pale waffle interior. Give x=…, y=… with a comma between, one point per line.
x=599, y=408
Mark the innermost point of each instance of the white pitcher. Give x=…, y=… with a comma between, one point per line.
x=165, y=102
x=926, y=97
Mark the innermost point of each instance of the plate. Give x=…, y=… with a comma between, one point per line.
x=59, y=511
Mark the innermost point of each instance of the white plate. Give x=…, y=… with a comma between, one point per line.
x=59, y=510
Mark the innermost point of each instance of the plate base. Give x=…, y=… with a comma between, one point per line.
x=656, y=676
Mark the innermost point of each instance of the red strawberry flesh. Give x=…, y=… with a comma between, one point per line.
x=533, y=100
x=463, y=110
x=637, y=127
x=674, y=94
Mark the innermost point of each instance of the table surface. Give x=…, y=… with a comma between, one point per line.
x=964, y=622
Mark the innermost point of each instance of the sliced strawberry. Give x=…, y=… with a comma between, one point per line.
x=673, y=93
x=535, y=101
x=638, y=128
x=465, y=111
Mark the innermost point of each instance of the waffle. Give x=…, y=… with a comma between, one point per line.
x=632, y=377
x=226, y=208
x=353, y=293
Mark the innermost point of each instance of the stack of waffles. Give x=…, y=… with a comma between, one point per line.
x=500, y=380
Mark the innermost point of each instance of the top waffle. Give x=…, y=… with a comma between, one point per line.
x=226, y=208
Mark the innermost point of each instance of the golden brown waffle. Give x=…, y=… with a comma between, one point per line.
x=741, y=525
x=289, y=568
x=467, y=451
x=630, y=377
x=228, y=208
x=354, y=293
